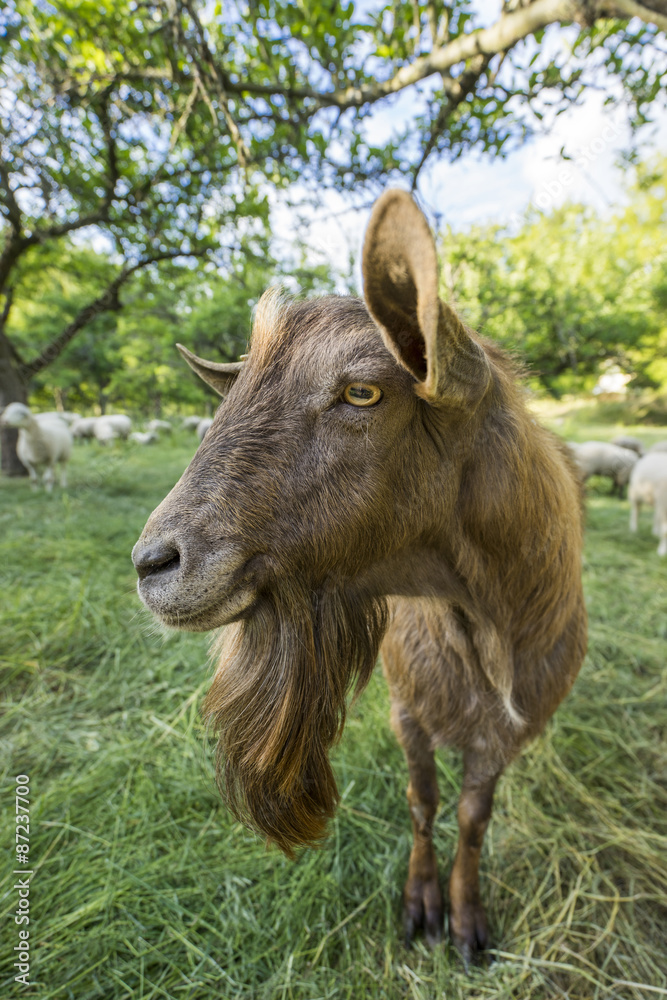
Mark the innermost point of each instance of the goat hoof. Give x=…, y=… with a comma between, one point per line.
x=422, y=910
x=468, y=932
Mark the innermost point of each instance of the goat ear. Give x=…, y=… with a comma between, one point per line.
x=400, y=270
x=218, y=375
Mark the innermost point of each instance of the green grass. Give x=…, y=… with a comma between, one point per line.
x=144, y=887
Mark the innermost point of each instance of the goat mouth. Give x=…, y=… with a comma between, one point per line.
x=198, y=603
x=205, y=619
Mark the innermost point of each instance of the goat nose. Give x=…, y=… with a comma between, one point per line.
x=155, y=557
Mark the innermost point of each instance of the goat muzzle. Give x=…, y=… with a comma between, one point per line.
x=193, y=585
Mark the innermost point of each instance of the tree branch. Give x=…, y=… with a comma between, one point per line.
x=19, y=242
x=648, y=12
x=510, y=28
x=9, y=199
x=16, y=246
x=6, y=309
x=457, y=90
x=9, y=298
x=219, y=82
x=108, y=301
x=113, y=173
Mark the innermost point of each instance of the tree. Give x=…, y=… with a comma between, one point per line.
x=137, y=167
x=160, y=124
x=206, y=311
x=52, y=285
x=571, y=291
x=126, y=358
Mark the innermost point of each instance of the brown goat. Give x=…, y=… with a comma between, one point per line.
x=374, y=477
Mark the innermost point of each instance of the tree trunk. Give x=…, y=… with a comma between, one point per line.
x=12, y=390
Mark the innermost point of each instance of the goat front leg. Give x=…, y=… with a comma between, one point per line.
x=422, y=898
x=467, y=920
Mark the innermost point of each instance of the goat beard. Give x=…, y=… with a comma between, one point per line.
x=278, y=703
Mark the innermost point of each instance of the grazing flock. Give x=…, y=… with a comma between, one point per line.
x=45, y=443
x=45, y=439
x=625, y=462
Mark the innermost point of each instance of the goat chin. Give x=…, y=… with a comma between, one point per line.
x=278, y=701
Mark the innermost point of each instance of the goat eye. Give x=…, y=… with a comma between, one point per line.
x=362, y=394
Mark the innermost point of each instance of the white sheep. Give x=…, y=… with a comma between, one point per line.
x=67, y=415
x=121, y=422
x=41, y=443
x=111, y=427
x=203, y=426
x=648, y=484
x=661, y=446
x=84, y=427
x=159, y=425
x=598, y=458
x=191, y=423
x=144, y=437
x=632, y=443
x=104, y=431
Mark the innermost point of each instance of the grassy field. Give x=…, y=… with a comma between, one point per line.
x=143, y=886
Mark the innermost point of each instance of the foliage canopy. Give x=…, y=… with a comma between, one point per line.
x=159, y=129
x=573, y=293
